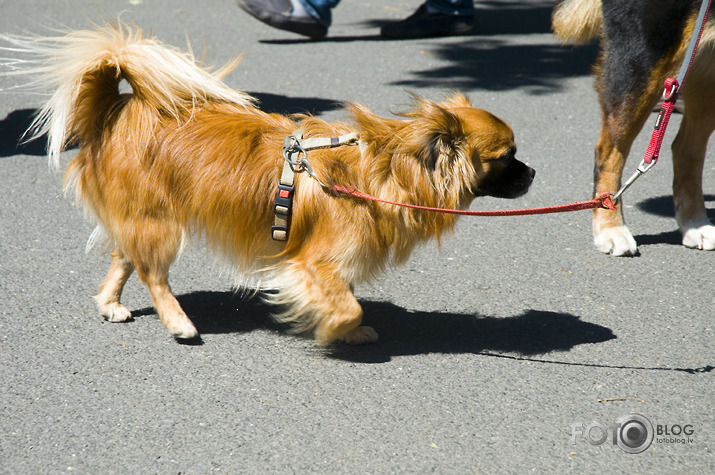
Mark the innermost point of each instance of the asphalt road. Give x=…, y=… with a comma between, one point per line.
x=497, y=351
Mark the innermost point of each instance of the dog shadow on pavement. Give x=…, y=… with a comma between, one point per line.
x=12, y=135
x=404, y=332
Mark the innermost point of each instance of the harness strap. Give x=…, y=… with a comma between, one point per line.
x=293, y=147
x=283, y=206
x=314, y=143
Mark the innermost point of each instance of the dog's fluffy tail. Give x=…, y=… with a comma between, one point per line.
x=85, y=69
x=577, y=21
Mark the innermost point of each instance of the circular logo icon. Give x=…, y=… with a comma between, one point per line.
x=635, y=433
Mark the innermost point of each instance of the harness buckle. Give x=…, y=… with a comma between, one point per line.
x=282, y=210
x=284, y=200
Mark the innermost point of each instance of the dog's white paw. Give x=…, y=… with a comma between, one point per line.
x=699, y=235
x=115, y=312
x=182, y=328
x=360, y=336
x=617, y=241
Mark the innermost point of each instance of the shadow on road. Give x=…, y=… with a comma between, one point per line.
x=403, y=332
x=12, y=129
x=525, y=337
x=497, y=65
x=489, y=60
x=277, y=103
x=663, y=206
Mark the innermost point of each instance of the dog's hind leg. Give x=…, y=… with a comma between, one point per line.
x=153, y=248
x=111, y=289
x=168, y=308
x=688, y=157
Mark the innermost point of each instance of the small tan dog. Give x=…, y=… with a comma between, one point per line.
x=183, y=154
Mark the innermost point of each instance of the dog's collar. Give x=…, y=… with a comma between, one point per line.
x=293, y=147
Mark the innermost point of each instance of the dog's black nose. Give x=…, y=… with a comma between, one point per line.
x=532, y=172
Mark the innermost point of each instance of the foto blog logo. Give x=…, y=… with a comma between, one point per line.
x=633, y=433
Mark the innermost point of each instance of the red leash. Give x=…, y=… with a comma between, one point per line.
x=295, y=145
x=602, y=201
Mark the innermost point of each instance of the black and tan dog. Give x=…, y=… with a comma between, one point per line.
x=642, y=43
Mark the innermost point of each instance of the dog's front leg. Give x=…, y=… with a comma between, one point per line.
x=340, y=313
x=610, y=234
x=623, y=115
x=319, y=298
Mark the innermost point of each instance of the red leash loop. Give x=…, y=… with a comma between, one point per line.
x=602, y=201
x=670, y=96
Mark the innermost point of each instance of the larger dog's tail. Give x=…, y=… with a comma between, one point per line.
x=577, y=21
x=85, y=69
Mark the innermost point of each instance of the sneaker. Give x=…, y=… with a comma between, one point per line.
x=423, y=24
x=278, y=14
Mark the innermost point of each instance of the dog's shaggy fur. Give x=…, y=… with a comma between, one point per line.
x=642, y=43
x=183, y=154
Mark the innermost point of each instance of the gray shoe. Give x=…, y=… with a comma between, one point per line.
x=278, y=14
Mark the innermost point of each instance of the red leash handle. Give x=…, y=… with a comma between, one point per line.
x=672, y=87
x=661, y=124
x=602, y=201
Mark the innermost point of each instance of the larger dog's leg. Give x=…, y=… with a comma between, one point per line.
x=620, y=126
x=639, y=50
x=688, y=157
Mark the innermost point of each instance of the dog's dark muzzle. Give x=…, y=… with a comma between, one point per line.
x=514, y=181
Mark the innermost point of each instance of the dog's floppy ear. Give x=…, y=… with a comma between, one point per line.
x=436, y=135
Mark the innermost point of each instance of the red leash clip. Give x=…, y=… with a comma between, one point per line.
x=670, y=96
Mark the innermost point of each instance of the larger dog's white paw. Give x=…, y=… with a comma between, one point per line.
x=700, y=235
x=617, y=241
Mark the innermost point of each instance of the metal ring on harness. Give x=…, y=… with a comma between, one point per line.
x=296, y=165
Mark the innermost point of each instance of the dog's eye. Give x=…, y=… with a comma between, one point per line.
x=509, y=156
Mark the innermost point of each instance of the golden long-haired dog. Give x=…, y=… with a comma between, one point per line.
x=642, y=43
x=182, y=154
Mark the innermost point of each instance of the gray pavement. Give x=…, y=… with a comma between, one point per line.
x=498, y=349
